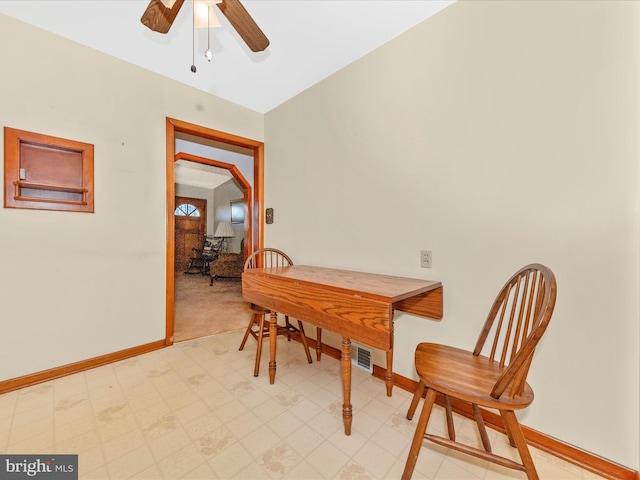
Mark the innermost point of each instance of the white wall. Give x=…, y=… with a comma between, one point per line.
x=74, y=286
x=495, y=134
x=223, y=195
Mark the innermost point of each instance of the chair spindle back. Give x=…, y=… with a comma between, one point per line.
x=266, y=258
x=518, y=318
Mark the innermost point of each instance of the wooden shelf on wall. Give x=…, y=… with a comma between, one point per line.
x=39, y=192
x=47, y=173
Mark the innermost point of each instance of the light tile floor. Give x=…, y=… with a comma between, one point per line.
x=194, y=410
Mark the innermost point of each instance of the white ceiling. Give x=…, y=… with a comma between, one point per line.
x=199, y=175
x=207, y=176
x=310, y=40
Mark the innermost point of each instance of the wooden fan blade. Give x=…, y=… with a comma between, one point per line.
x=238, y=16
x=160, y=18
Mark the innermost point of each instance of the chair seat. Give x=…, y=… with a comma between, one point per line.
x=258, y=309
x=461, y=374
x=287, y=329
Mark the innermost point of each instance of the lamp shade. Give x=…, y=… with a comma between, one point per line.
x=224, y=230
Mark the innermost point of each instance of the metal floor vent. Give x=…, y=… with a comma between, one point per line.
x=361, y=357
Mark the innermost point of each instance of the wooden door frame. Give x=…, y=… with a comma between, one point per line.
x=255, y=210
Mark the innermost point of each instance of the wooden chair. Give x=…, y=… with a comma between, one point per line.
x=258, y=326
x=198, y=262
x=518, y=318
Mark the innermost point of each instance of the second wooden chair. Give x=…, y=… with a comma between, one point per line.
x=258, y=326
x=496, y=380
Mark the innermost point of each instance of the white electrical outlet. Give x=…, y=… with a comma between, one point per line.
x=425, y=258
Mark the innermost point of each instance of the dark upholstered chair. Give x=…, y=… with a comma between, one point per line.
x=227, y=265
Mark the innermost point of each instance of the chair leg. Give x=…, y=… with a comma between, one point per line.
x=509, y=436
x=513, y=430
x=418, y=436
x=303, y=337
x=449, y=413
x=416, y=399
x=252, y=322
x=256, y=369
x=288, y=325
x=481, y=428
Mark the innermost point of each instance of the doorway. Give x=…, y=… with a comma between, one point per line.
x=253, y=197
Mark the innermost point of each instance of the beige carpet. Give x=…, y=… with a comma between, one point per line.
x=201, y=310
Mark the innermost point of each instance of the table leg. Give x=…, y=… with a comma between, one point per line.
x=273, y=336
x=388, y=376
x=318, y=343
x=347, y=410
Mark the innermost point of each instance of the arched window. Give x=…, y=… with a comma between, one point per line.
x=186, y=210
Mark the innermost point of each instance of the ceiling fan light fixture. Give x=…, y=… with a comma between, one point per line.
x=205, y=17
x=213, y=19
x=158, y=18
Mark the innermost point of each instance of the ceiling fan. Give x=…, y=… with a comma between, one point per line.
x=160, y=14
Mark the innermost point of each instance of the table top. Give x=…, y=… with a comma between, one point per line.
x=387, y=288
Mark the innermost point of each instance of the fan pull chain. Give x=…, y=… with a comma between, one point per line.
x=193, y=41
x=207, y=53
